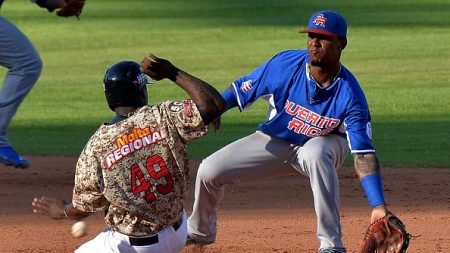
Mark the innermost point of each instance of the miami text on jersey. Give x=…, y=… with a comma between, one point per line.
x=307, y=122
x=131, y=142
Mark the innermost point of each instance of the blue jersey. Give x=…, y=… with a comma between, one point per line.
x=299, y=108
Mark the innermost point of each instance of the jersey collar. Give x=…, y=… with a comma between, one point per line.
x=333, y=83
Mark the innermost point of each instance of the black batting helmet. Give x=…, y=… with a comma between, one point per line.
x=125, y=85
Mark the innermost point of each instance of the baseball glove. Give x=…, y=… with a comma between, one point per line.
x=386, y=235
x=72, y=8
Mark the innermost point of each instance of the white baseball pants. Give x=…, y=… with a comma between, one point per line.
x=108, y=241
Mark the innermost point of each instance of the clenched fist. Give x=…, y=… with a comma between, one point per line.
x=158, y=68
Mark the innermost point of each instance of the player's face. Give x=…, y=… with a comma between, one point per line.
x=324, y=50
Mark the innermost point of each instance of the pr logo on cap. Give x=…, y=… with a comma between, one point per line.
x=328, y=23
x=320, y=20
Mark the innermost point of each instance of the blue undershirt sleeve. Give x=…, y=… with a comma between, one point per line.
x=230, y=98
x=374, y=190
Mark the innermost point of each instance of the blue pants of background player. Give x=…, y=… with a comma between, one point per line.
x=24, y=65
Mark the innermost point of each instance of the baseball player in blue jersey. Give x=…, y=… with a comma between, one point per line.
x=24, y=65
x=317, y=115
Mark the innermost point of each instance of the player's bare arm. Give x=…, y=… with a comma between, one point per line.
x=365, y=165
x=209, y=101
x=57, y=209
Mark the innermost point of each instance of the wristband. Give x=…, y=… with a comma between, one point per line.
x=374, y=189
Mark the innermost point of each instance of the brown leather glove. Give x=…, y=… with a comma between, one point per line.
x=387, y=234
x=72, y=8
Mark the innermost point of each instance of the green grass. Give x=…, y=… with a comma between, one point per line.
x=398, y=50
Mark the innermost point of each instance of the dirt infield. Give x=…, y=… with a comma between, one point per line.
x=269, y=216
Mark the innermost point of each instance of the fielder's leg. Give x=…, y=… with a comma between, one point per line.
x=24, y=65
x=319, y=159
x=256, y=156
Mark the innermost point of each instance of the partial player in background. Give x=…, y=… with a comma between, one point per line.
x=136, y=166
x=317, y=114
x=24, y=65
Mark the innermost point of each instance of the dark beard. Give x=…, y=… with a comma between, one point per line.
x=316, y=63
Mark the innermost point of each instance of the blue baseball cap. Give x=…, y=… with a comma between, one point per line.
x=328, y=23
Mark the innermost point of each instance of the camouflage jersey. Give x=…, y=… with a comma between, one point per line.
x=137, y=169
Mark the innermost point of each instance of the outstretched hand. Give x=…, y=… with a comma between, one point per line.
x=378, y=212
x=53, y=208
x=158, y=68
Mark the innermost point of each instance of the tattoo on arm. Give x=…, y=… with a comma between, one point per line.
x=367, y=163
